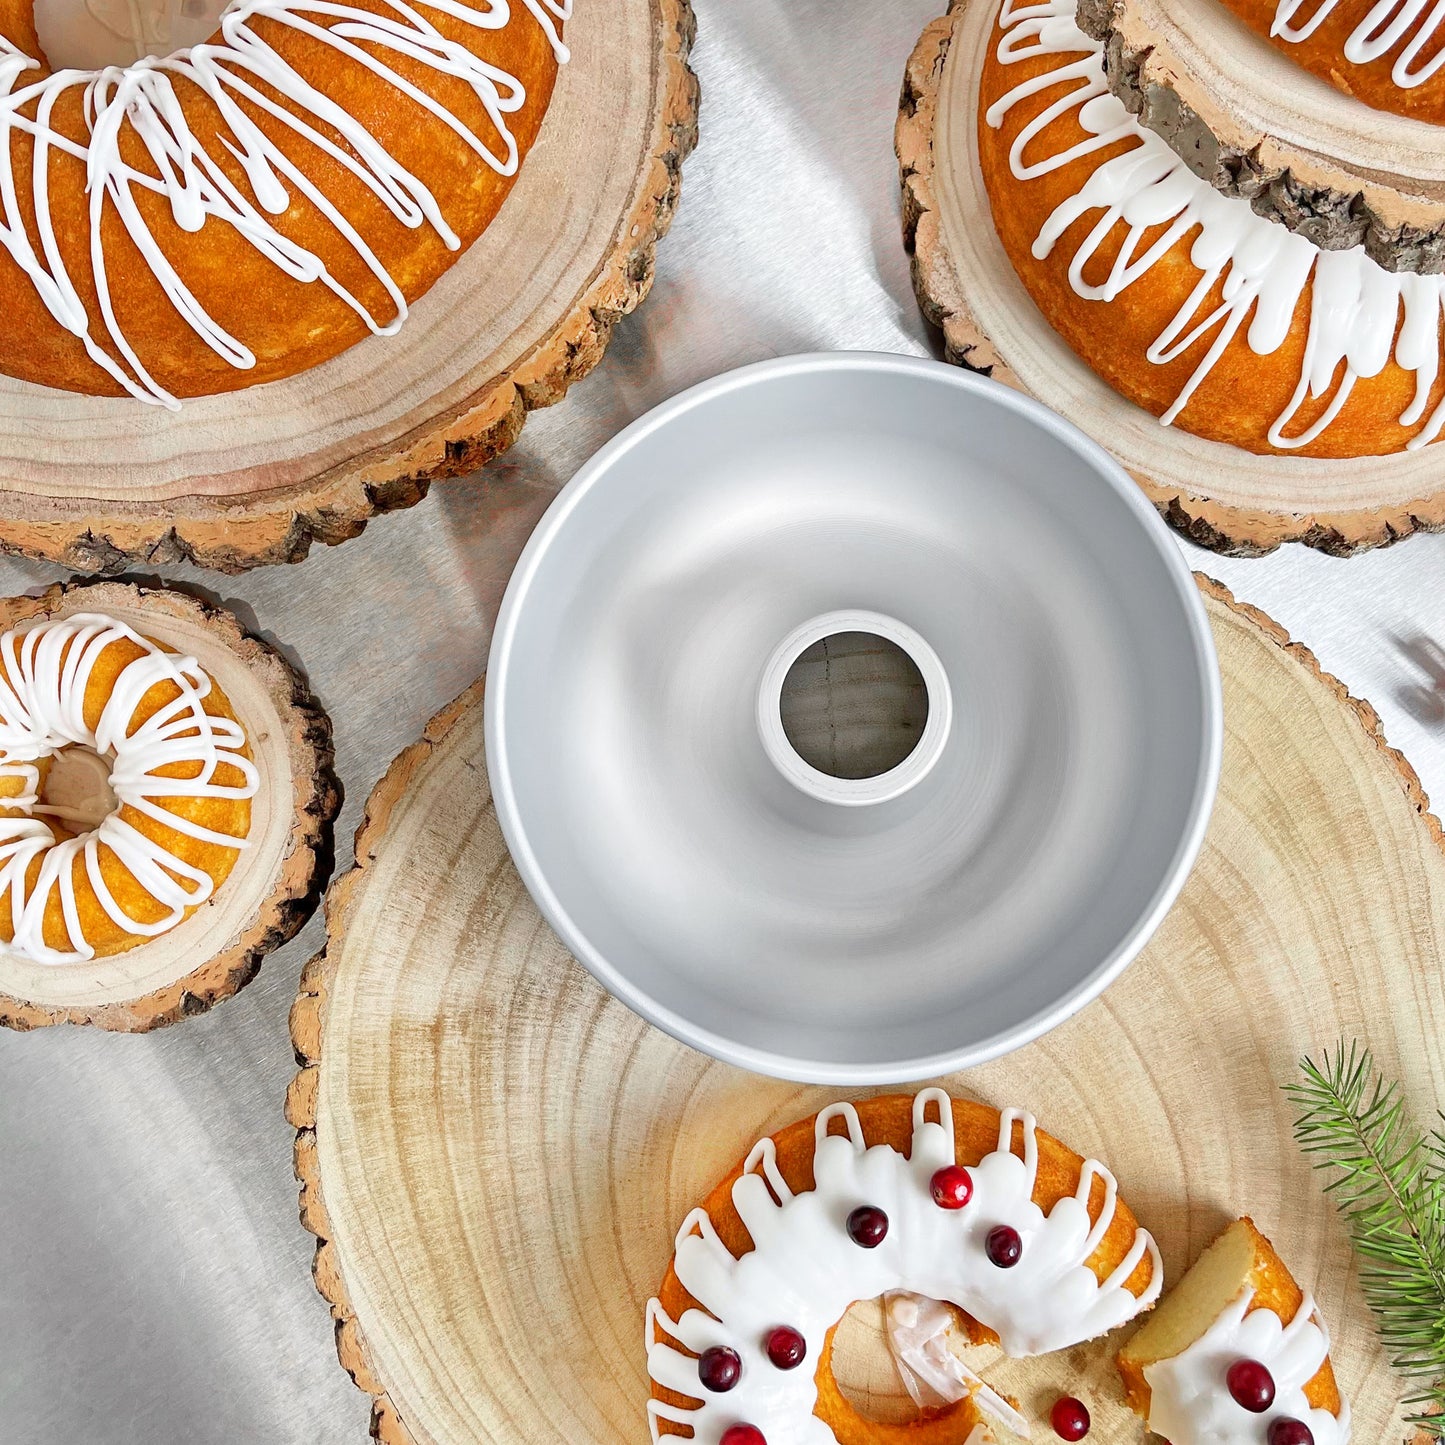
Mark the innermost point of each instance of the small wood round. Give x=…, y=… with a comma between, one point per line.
x=1253, y=123
x=257, y=476
x=495, y=1155
x=1220, y=496
x=277, y=881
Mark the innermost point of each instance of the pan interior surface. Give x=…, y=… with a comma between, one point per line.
x=766, y=920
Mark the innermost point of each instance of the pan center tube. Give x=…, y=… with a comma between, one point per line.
x=801, y=771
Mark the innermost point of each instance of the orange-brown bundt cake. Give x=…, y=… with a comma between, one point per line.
x=181, y=781
x=1212, y=318
x=245, y=209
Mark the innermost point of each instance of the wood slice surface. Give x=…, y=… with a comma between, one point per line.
x=1219, y=495
x=495, y=1155
x=1255, y=124
x=257, y=476
x=276, y=883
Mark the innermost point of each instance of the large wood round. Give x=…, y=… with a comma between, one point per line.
x=495, y=1155
x=1221, y=496
x=257, y=476
x=276, y=883
x=1255, y=124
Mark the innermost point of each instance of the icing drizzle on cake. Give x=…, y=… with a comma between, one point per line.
x=1189, y=1404
x=1383, y=26
x=141, y=102
x=805, y=1270
x=1359, y=314
x=46, y=670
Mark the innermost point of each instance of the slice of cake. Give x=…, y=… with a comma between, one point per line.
x=1236, y=1352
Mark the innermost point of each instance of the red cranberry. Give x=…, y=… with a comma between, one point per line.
x=1070, y=1418
x=1288, y=1431
x=742, y=1435
x=1251, y=1385
x=719, y=1368
x=786, y=1347
x=867, y=1225
x=951, y=1187
x=1003, y=1246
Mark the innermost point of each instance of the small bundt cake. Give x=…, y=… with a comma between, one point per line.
x=240, y=211
x=941, y=1197
x=180, y=773
x=1236, y=1352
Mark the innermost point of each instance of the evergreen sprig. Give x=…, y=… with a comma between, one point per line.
x=1389, y=1184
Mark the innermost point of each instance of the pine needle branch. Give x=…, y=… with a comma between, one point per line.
x=1389, y=1184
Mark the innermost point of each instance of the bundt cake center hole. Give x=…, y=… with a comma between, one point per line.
x=863, y=1367
x=89, y=34
x=854, y=705
x=77, y=789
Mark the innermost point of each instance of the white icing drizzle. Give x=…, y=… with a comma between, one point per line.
x=1359, y=314
x=143, y=101
x=804, y=1270
x=1190, y=1403
x=44, y=672
x=918, y=1334
x=1383, y=26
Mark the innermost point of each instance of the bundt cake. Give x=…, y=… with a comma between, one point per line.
x=245, y=209
x=940, y=1197
x=1236, y=1352
x=1386, y=53
x=179, y=772
x=1210, y=317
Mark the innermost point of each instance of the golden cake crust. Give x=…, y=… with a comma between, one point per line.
x=290, y=325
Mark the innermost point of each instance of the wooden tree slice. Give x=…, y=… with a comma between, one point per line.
x=495, y=1155
x=257, y=476
x=1220, y=496
x=277, y=881
x=1255, y=124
